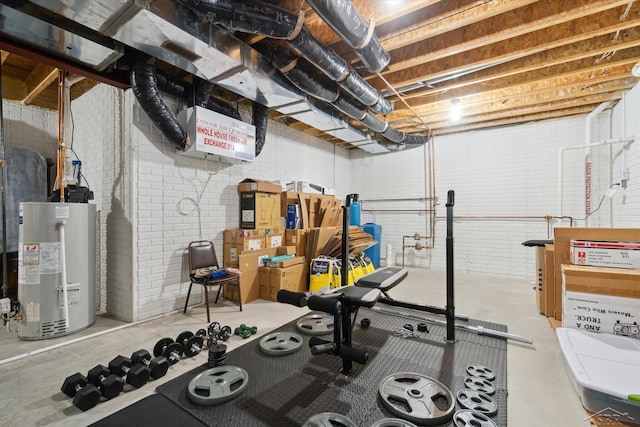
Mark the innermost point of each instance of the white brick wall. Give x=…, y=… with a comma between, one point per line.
x=30, y=127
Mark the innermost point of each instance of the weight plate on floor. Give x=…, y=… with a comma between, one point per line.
x=183, y=337
x=393, y=422
x=481, y=372
x=417, y=398
x=480, y=384
x=477, y=401
x=161, y=345
x=467, y=418
x=280, y=343
x=315, y=323
x=217, y=385
x=328, y=419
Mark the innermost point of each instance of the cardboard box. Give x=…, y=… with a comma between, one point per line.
x=274, y=237
x=294, y=220
x=605, y=254
x=297, y=238
x=263, y=280
x=249, y=185
x=293, y=278
x=249, y=264
x=603, y=300
x=285, y=262
x=238, y=241
x=307, y=187
x=549, y=280
x=288, y=198
x=561, y=239
x=259, y=210
x=540, y=278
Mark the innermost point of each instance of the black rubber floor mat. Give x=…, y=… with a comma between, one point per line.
x=154, y=410
x=286, y=391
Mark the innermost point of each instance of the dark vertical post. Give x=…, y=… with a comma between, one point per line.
x=450, y=309
x=347, y=364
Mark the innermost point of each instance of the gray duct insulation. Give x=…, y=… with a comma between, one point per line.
x=145, y=83
x=257, y=17
x=350, y=25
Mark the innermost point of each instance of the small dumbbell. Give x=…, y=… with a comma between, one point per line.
x=245, y=331
x=168, y=348
x=158, y=367
x=225, y=333
x=137, y=375
x=85, y=395
x=191, y=344
x=110, y=385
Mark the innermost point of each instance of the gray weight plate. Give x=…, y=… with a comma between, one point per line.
x=481, y=372
x=480, y=384
x=328, y=419
x=467, y=418
x=477, y=401
x=393, y=422
x=280, y=343
x=315, y=323
x=218, y=385
x=416, y=398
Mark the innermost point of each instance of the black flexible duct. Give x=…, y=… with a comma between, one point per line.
x=258, y=17
x=350, y=25
x=145, y=89
x=260, y=120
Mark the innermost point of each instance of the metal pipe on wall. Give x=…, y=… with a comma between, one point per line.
x=3, y=194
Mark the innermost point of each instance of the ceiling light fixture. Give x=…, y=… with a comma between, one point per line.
x=455, y=112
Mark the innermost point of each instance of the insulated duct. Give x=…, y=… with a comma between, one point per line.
x=145, y=88
x=257, y=17
x=345, y=20
x=145, y=83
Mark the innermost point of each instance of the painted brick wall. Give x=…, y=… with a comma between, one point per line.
x=511, y=171
x=30, y=127
x=101, y=136
x=180, y=199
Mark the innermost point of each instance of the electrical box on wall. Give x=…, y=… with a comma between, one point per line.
x=218, y=137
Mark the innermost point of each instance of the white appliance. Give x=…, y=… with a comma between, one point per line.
x=56, y=241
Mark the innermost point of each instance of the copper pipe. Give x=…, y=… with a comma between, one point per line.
x=61, y=145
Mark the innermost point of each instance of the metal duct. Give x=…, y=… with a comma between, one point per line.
x=346, y=21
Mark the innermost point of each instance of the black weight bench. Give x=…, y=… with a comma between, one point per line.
x=341, y=303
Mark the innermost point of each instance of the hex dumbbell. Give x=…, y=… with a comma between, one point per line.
x=137, y=375
x=110, y=385
x=168, y=348
x=191, y=344
x=85, y=395
x=245, y=331
x=158, y=366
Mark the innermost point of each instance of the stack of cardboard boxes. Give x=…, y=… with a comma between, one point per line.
x=601, y=287
x=270, y=256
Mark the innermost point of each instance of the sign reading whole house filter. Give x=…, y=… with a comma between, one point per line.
x=215, y=134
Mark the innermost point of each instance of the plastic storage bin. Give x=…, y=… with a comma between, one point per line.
x=605, y=371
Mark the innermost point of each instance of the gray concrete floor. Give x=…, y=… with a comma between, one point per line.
x=540, y=392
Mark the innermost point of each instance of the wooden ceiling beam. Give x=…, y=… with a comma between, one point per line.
x=528, y=19
x=4, y=56
x=13, y=88
x=38, y=80
x=556, y=75
x=442, y=119
x=582, y=52
x=534, y=94
x=608, y=22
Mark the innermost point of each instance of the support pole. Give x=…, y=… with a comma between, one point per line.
x=450, y=308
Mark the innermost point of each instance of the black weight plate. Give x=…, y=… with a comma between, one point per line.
x=316, y=323
x=217, y=385
x=183, y=337
x=193, y=346
x=280, y=343
x=481, y=372
x=417, y=398
x=328, y=419
x=477, y=401
x=469, y=418
x=214, y=328
x=480, y=384
x=201, y=333
x=161, y=345
x=173, y=352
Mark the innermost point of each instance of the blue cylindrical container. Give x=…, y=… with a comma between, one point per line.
x=354, y=213
x=374, y=251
